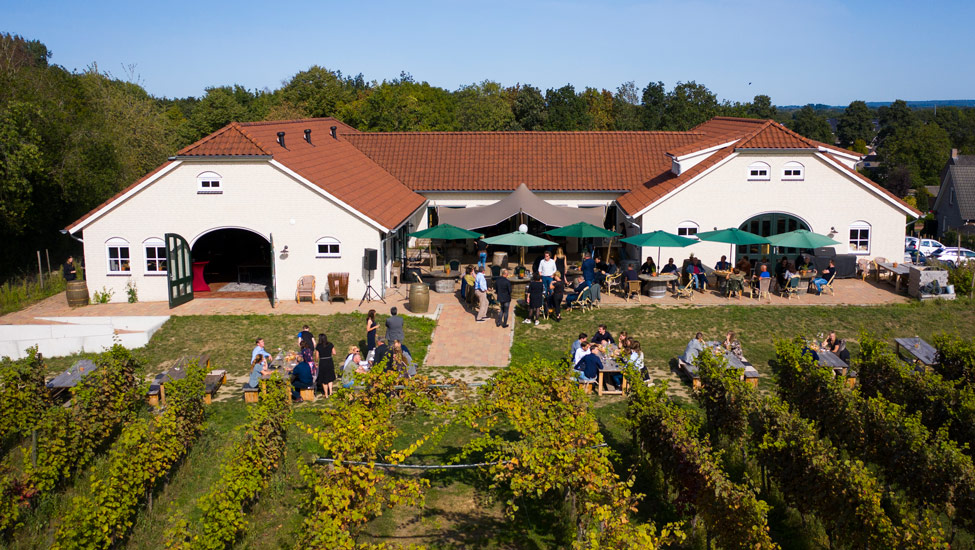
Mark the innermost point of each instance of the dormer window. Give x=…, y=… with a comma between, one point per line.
x=208, y=183
x=793, y=171
x=758, y=171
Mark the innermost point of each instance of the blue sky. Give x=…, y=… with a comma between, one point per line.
x=795, y=51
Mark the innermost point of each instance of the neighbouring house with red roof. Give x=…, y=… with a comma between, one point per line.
x=276, y=200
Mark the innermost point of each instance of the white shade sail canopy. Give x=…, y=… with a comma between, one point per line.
x=520, y=200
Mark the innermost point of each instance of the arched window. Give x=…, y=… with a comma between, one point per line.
x=793, y=171
x=155, y=250
x=209, y=183
x=117, y=252
x=860, y=237
x=758, y=171
x=687, y=228
x=328, y=247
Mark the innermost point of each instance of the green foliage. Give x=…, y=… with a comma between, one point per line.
x=688, y=105
x=856, y=123
x=626, y=107
x=69, y=438
x=921, y=148
x=566, y=110
x=145, y=452
x=761, y=107
x=319, y=92
x=244, y=474
x=557, y=453
x=342, y=497
x=20, y=163
x=927, y=465
x=23, y=395
x=859, y=146
x=809, y=123
x=809, y=471
x=15, y=295
x=483, y=107
x=403, y=105
x=132, y=291
x=102, y=296
x=529, y=108
x=732, y=512
x=956, y=359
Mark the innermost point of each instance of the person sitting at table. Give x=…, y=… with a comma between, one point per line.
x=589, y=365
x=702, y=276
x=580, y=352
x=732, y=344
x=581, y=284
x=631, y=274
x=635, y=355
x=576, y=344
x=601, y=336
x=810, y=352
x=763, y=272
x=259, y=349
x=694, y=347
x=353, y=364
x=696, y=275
x=824, y=277
x=800, y=263
x=402, y=361
x=556, y=293
x=623, y=341
x=745, y=266
x=302, y=379
x=648, y=267
x=837, y=346
x=536, y=299
x=780, y=269
x=671, y=268
x=722, y=264
x=258, y=369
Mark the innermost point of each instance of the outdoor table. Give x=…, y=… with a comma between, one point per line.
x=610, y=366
x=748, y=372
x=922, y=351
x=657, y=284
x=830, y=359
x=897, y=271
x=444, y=281
x=71, y=377
x=805, y=278
x=519, y=286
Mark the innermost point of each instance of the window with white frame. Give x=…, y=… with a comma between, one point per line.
x=328, y=247
x=209, y=183
x=860, y=237
x=155, y=250
x=687, y=228
x=793, y=171
x=118, y=255
x=758, y=171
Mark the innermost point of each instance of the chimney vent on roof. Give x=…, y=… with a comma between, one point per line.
x=333, y=129
x=308, y=135
x=281, y=139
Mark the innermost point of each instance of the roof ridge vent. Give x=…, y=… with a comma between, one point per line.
x=281, y=139
x=308, y=135
x=334, y=131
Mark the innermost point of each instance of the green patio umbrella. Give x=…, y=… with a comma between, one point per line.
x=732, y=236
x=659, y=239
x=521, y=239
x=583, y=230
x=445, y=232
x=801, y=238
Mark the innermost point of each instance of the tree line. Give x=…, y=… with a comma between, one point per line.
x=70, y=140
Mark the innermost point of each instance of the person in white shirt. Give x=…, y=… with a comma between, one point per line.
x=547, y=268
x=580, y=353
x=480, y=290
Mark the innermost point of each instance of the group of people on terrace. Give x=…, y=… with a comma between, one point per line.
x=588, y=355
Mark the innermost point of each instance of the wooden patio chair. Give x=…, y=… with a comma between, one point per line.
x=306, y=288
x=686, y=291
x=763, y=288
x=735, y=285
x=792, y=288
x=613, y=282
x=829, y=285
x=584, y=301
x=633, y=289
x=864, y=267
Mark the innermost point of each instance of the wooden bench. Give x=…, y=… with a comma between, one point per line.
x=251, y=394
x=213, y=382
x=691, y=372
x=153, y=394
x=307, y=394
x=586, y=387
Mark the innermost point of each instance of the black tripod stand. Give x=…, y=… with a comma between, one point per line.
x=370, y=294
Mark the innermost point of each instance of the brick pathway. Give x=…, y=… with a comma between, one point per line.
x=460, y=340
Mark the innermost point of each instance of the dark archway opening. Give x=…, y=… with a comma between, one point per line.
x=234, y=256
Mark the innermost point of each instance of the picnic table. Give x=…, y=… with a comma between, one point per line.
x=830, y=359
x=748, y=372
x=157, y=388
x=70, y=378
x=610, y=366
x=923, y=352
x=896, y=270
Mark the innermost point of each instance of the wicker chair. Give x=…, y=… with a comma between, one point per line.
x=686, y=291
x=633, y=289
x=306, y=288
x=792, y=288
x=584, y=301
x=763, y=288
x=613, y=283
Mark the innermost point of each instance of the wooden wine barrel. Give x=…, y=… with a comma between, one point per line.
x=419, y=297
x=77, y=293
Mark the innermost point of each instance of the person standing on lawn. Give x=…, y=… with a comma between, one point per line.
x=394, y=326
x=326, y=364
x=536, y=298
x=556, y=293
x=547, y=268
x=502, y=286
x=371, y=327
x=480, y=290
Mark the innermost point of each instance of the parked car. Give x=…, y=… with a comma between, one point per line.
x=956, y=256
x=910, y=243
x=914, y=256
x=930, y=247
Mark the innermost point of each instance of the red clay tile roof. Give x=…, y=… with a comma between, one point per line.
x=728, y=127
x=500, y=161
x=117, y=195
x=873, y=184
x=231, y=140
x=655, y=189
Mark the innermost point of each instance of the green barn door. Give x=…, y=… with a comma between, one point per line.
x=179, y=270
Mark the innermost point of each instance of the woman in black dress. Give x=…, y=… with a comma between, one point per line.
x=556, y=291
x=326, y=366
x=536, y=298
x=371, y=327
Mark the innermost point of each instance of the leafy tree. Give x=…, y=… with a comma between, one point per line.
x=809, y=123
x=899, y=181
x=599, y=108
x=403, y=105
x=483, y=107
x=20, y=163
x=319, y=92
x=219, y=107
x=566, y=109
x=761, y=107
x=653, y=106
x=859, y=146
x=855, y=123
x=529, y=108
x=688, y=105
x=898, y=116
x=921, y=148
x=626, y=108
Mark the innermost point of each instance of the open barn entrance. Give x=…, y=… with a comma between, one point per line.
x=235, y=263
